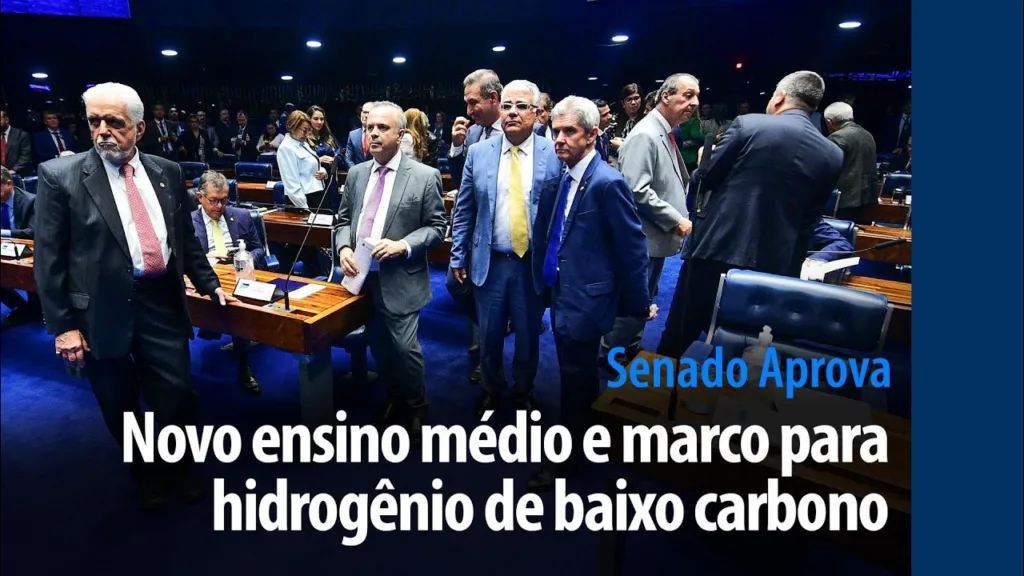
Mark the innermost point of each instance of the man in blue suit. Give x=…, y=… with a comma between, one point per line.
x=219, y=228
x=594, y=263
x=760, y=196
x=50, y=142
x=357, y=146
x=502, y=184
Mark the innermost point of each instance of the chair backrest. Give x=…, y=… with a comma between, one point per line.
x=30, y=183
x=846, y=228
x=225, y=160
x=894, y=180
x=232, y=188
x=267, y=159
x=17, y=181
x=279, y=196
x=254, y=171
x=807, y=318
x=192, y=170
x=832, y=206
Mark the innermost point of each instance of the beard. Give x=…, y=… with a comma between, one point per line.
x=115, y=155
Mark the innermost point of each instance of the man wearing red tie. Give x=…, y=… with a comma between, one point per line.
x=52, y=141
x=114, y=241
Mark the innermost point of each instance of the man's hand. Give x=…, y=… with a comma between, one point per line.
x=348, y=262
x=460, y=274
x=684, y=228
x=388, y=249
x=223, y=297
x=652, y=312
x=71, y=346
x=616, y=143
x=321, y=174
x=459, y=130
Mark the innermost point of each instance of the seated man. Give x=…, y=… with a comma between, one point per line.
x=17, y=213
x=219, y=227
x=827, y=244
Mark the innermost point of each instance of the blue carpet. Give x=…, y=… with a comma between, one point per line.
x=68, y=506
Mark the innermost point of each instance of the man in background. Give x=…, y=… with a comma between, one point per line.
x=543, y=126
x=356, y=147
x=604, y=135
x=17, y=215
x=52, y=141
x=15, y=147
x=859, y=174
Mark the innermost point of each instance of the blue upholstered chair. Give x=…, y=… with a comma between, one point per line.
x=261, y=229
x=253, y=172
x=193, y=170
x=29, y=183
x=894, y=180
x=832, y=206
x=17, y=181
x=846, y=228
x=267, y=159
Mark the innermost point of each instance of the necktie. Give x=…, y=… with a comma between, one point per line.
x=5, y=217
x=517, y=206
x=218, y=238
x=370, y=210
x=365, y=141
x=3, y=149
x=550, y=272
x=60, y=143
x=152, y=256
x=163, y=132
x=487, y=132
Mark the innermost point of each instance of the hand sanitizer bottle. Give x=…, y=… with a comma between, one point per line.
x=753, y=357
x=244, y=269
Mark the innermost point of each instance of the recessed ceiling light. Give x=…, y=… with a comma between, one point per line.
x=909, y=86
x=286, y=77
x=313, y=43
x=498, y=49
x=620, y=38
x=849, y=24
x=398, y=59
x=40, y=75
x=762, y=93
x=658, y=81
x=592, y=78
x=169, y=52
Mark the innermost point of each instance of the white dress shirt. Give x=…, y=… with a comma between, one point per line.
x=576, y=173
x=224, y=230
x=501, y=236
x=496, y=131
x=57, y=140
x=298, y=165
x=385, y=201
x=275, y=143
x=119, y=186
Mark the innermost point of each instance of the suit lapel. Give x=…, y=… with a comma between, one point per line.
x=200, y=227
x=540, y=166
x=677, y=161
x=492, y=180
x=163, y=193
x=581, y=192
x=358, y=190
x=98, y=187
x=232, y=225
x=401, y=181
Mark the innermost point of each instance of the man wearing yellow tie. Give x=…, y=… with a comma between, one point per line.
x=502, y=182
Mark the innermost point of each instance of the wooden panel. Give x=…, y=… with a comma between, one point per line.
x=255, y=192
x=290, y=228
x=868, y=236
x=18, y=273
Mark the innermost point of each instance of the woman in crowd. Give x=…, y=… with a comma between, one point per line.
x=415, y=142
x=271, y=139
x=300, y=168
x=320, y=138
x=194, y=142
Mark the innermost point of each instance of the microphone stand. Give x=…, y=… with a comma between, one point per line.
x=309, y=228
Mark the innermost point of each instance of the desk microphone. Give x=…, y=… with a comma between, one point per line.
x=879, y=246
x=309, y=228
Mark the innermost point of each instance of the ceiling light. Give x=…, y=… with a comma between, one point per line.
x=40, y=75
x=169, y=52
x=620, y=38
x=739, y=65
x=592, y=78
x=313, y=43
x=498, y=49
x=398, y=59
x=286, y=77
x=658, y=81
x=762, y=93
x=849, y=25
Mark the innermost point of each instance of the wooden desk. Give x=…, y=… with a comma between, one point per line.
x=898, y=294
x=868, y=236
x=890, y=546
x=885, y=211
x=18, y=273
x=255, y=192
x=308, y=330
x=290, y=228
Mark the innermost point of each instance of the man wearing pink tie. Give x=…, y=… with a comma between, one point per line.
x=113, y=243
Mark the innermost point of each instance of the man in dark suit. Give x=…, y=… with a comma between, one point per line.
x=604, y=135
x=492, y=227
x=760, y=196
x=594, y=263
x=114, y=240
x=356, y=147
x=542, y=127
x=162, y=137
x=219, y=228
x=396, y=203
x=53, y=140
x=244, y=137
x=859, y=174
x=17, y=216
x=15, y=147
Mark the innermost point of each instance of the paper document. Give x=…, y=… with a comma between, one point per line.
x=307, y=290
x=270, y=184
x=816, y=270
x=363, y=260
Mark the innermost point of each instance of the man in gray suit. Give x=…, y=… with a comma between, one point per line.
x=395, y=202
x=650, y=162
x=859, y=174
x=15, y=147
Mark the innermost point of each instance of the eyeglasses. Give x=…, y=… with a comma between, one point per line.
x=519, y=106
x=217, y=201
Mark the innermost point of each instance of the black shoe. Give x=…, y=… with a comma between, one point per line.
x=487, y=401
x=188, y=484
x=605, y=364
x=529, y=404
x=476, y=376
x=415, y=427
x=544, y=480
x=247, y=380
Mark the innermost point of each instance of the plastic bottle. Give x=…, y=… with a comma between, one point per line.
x=753, y=357
x=244, y=268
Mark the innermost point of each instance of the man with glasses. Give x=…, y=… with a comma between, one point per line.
x=219, y=227
x=502, y=183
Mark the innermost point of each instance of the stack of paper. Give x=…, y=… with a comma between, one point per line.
x=363, y=259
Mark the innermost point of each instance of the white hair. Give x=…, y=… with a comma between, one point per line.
x=121, y=93
x=523, y=86
x=806, y=87
x=839, y=112
x=399, y=113
x=582, y=109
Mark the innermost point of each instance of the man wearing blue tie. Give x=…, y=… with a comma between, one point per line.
x=594, y=263
x=502, y=183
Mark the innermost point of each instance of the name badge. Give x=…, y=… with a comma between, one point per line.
x=259, y=291
x=12, y=250
x=320, y=219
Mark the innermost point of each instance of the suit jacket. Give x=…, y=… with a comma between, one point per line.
x=241, y=227
x=604, y=146
x=83, y=268
x=415, y=214
x=151, y=139
x=45, y=148
x=859, y=174
x=354, y=149
x=24, y=214
x=541, y=129
x=473, y=216
x=602, y=249
x=456, y=164
x=659, y=181
x=247, y=153
x=19, y=152
x=762, y=193
x=828, y=243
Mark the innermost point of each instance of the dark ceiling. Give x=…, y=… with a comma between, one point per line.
x=558, y=43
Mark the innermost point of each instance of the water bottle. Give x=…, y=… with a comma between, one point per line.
x=244, y=269
x=753, y=357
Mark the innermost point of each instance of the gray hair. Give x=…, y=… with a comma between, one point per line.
x=487, y=79
x=839, y=112
x=5, y=175
x=582, y=109
x=545, y=100
x=399, y=113
x=671, y=85
x=523, y=86
x=212, y=178
x=120, y=92
x=806, y=87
